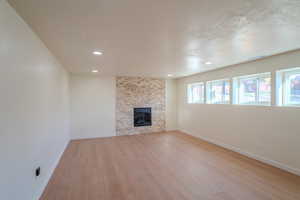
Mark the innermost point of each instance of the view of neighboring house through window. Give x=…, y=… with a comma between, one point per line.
x=288, y=88
x=218, y=92
x=249, y=90
x=253, y=89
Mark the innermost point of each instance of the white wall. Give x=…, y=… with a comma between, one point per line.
x=93, y=100
x=271, y=134
x=34, y=109
x=92, y=106
x=171, y=104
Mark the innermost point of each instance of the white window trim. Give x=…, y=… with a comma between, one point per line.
x=281, y=86
x=208, y=89
x=189, y=86
x=236, y=89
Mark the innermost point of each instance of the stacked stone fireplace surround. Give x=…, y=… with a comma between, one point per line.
x=137, y=92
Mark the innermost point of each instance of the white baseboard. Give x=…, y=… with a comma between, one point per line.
x=48, y=177
x=90, y=138
x=172, y=130
x=247, y=154
x=84, y=137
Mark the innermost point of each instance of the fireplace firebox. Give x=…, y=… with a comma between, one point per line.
x=142, y=117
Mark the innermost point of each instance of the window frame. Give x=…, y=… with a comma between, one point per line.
x=282, y=77
x=257, y=77
x=189, y=91
x=209, y=85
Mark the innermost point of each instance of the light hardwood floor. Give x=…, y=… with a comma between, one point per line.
x=164, y=166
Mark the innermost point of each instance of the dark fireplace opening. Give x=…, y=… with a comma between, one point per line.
x=142, y=117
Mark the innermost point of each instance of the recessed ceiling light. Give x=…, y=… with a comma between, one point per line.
x=170, y=75
x=208, y=63
x=97, y=53
x=95, y=71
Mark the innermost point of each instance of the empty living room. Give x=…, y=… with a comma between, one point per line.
x=149, y=100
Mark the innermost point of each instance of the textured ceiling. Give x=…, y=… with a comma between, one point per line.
x=159, y=37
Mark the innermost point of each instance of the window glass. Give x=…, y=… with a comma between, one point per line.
x=293, y=89
x=227, y=91
x=247, y=91
x=265, y=90
x=288, y=87
x=196, y=93
x=218, y=92
x=253, y=89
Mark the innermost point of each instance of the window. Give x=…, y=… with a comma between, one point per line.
x=195, y=93
x=288, y=87
x=253, y=89
x=218, y=92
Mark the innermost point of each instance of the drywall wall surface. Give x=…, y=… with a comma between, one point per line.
x=171, y=105
x=268, y=133
x=34, y=109
x=92, y=106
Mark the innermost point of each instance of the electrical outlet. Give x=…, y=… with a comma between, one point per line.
x=38, y=171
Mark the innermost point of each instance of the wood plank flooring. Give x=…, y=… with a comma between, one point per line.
x=164, y=166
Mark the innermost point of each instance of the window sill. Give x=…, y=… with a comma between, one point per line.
x=259, y=105
x=288, y=106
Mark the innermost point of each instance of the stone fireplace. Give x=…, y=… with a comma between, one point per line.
x=140, y=94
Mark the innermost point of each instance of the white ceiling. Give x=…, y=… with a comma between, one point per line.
x=159, y=37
